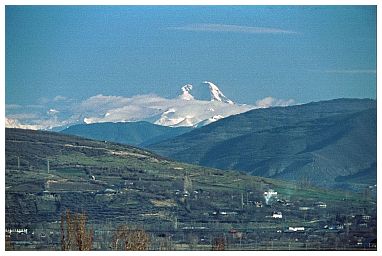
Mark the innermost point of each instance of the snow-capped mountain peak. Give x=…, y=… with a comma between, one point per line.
x=203, y=93
x=216, y=93
x=199, y=105
x=186, y=92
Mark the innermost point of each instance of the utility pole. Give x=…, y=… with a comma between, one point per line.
x=175, y=223
x=47, y=164
x=242, y=200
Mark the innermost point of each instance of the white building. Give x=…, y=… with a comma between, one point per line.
x=305, y=208
x=16, y=230
x=296, y=229
x=277, y=215
x=270, y=193
x=320, y=205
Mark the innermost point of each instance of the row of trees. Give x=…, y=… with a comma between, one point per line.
x=75, y=236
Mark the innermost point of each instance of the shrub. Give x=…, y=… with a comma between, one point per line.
x=127, y=239
x=218, y=244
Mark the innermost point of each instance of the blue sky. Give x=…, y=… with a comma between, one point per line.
x=304, y=53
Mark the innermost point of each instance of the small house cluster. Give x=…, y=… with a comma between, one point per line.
x=277, y=215
x=9, y=231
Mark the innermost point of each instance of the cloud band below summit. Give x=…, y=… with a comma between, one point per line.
x=185, y=110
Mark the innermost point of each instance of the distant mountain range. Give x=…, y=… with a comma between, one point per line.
x=331, y=143
x=196, y=105
x=132, y=133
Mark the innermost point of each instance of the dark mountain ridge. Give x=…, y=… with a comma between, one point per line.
x=133, y=133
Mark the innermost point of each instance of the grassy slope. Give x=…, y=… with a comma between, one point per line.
x=145, y=187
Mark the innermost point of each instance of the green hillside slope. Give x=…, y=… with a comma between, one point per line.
x=316, y=141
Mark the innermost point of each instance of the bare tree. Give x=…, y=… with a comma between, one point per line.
x=127, y=239
x=76, y=237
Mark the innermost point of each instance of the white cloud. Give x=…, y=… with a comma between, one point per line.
x=352, y=71
x=52, y=111
x=171, y=112
x=101, y=108
x=59, y=98
x=273, y=102
x=208, y=27
x=107, y=108
x=14, y=123
x=153, y=107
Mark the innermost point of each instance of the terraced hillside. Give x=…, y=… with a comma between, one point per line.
x=185, y=205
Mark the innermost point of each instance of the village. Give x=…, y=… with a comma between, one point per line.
x=189, y=219
x=180, y=207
